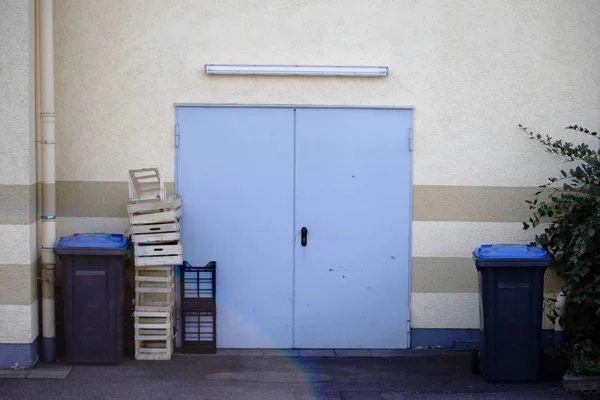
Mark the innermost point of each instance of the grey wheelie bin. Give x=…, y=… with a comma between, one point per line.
x=511, y=287
x=93, y=287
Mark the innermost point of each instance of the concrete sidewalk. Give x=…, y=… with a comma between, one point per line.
x=413, y=375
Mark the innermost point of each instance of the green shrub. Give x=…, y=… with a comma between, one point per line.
x=570, y=203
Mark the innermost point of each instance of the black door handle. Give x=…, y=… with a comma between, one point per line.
x=304, y=232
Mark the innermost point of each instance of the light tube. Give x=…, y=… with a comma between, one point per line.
x=305, y=70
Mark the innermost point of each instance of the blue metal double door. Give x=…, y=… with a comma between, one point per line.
x=307, y=213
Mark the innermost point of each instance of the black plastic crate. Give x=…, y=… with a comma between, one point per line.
x=199, y=332
x=198, y=308
x=198, y=287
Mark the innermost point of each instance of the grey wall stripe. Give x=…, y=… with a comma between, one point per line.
x=18, y=283
x=456, y=275
x=17, y=204
x=471, y=203
x=430, y=203
x=94, y=199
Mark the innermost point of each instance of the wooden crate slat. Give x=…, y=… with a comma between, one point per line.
x=164, y=335
x=172, y=202
x=155, y=268
x=161, y=260
x=154, y=218
x=143, y=186
x=151, y=332
x=158, y=272
x=151, y=282
x=156, y=237
x=154, y=334
x=157, y=249
x=142, y=177
x=152, y=337
x=153, y=326
x=158, y=279
x=153, y=293
x=168, y=289
x=153, y=357
x=151, y=314
x=161, y=298
x=164, y=283
x=154, y=345
x=155, y=228
x=157, y=308
x=153, y=350
x=160, y=268
x=153, y=277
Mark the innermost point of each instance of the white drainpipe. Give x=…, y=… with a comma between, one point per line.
x=48, y=178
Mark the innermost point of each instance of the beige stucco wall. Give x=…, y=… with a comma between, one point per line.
x=473, y=71
x=18, y=251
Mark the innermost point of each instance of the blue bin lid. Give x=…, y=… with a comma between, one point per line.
x=94, y=240
x=512, y=251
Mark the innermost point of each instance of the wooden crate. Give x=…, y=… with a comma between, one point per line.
x=155, y=212
x=154, y=288
x=157, y=254
x=153, y=335
x=146, y=184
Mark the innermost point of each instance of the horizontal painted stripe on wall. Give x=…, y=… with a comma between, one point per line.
x=471, y=203
x=19, y=323
x=19, y=244
x=68, y=226
x=445, y=338
x=430, y=203
x=450, y=311
x=17, y=204
x=458, y=275
x=95, y=199
x=23, y=355
x=18, y=283
x=459, y=239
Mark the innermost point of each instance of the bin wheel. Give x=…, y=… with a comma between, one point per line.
x=475, y=362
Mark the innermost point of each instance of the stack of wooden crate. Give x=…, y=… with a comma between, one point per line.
x=154, y=229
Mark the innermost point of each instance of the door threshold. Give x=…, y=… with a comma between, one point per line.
x=327, y=353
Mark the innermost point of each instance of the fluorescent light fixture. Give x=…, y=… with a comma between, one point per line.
x=307, y=70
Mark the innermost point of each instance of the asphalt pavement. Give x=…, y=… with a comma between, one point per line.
x=432, y=374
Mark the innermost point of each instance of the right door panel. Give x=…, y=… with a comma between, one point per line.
x=353, y=196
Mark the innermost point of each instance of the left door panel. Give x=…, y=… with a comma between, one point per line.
x=235, y=174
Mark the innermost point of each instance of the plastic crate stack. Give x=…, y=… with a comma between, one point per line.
x=198, y=308
x=154, y=229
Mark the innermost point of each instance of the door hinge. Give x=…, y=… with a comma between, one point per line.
x=176, y=135
x=408, y=318
x=410, y=138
